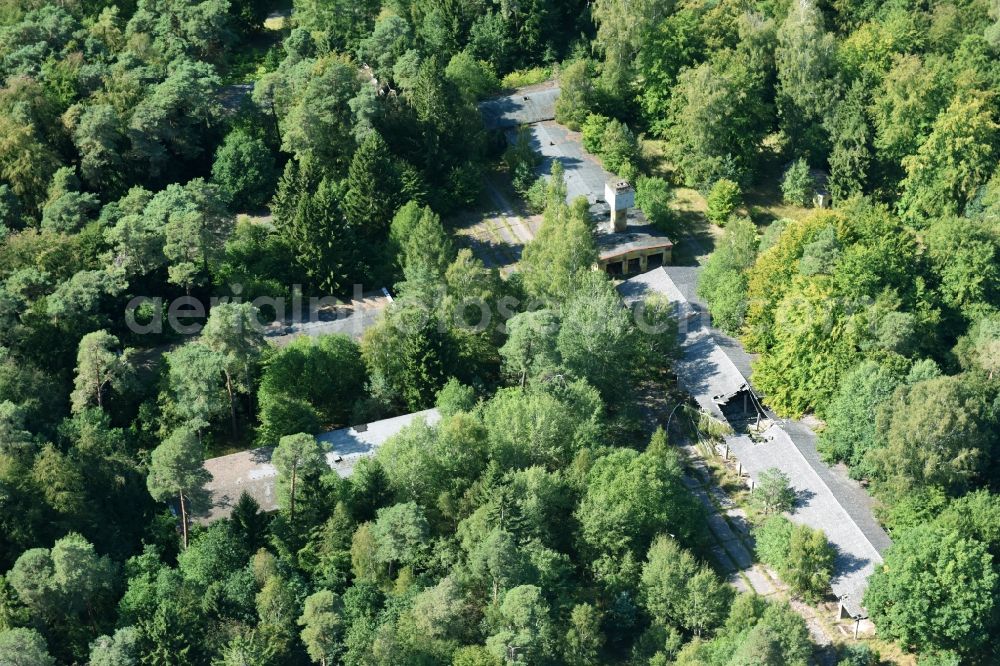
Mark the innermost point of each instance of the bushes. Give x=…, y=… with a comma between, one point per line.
x=936, y=592
x=772, y=538
x=801, y=555
x=577, y=95
x=475, y=78
x=722, y=200
x=851, y=425
x=773, y=492
x=537, y=195
x=618, y=146
x=312, y=382
x=728, y=305
x=521, y=160
x=653, y=196
x=611, y=140
x=245, y=169
x=723, y=283
x=526, y=77
x=593, y=132
x=797, y=185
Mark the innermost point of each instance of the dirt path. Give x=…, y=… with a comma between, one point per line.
x=733, y=545
x=499, y=237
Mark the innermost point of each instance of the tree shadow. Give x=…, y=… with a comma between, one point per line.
x=261, y=455
x=845, y=563
x=740, y=525
x=802, y=498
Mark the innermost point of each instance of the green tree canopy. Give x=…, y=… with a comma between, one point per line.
x=175, y=470
x=935, y=591
x=99, y=366
x=299, y=460
x=24, y=647
x=244, y=169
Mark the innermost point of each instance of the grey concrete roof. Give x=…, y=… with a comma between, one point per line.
x=714, y=364
x=703, y=370
x=351, y=444
x=685, y=278
x=656, y=281
x=251, y=471
x=523, y=107
x=584, y=175
x=852, y=497
x=818, y=506
x=639, y=235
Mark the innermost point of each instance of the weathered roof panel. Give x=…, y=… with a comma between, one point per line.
x=523, y=107
x=703, y=370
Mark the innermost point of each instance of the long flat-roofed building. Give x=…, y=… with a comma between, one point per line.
x=251, y=471
x=828, y=501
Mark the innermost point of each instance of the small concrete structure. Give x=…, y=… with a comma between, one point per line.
x=351, y=319
x=821, y=188
x=251, y=472
x=627, y=244
x=637, y=248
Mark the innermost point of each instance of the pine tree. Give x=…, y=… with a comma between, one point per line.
x=373, y=189
x=175, y=471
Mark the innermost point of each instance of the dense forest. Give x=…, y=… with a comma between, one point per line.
x=538, y=521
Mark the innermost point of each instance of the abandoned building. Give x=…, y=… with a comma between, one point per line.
x=627, y=244
x=251, y=472
x=707, y=370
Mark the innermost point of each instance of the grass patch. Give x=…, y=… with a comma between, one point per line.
x=762, y=201
x=276, y=23
x=764, y=205
x=526, y=77
x=653, y=155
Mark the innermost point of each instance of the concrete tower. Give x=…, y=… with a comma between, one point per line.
x=620, y=197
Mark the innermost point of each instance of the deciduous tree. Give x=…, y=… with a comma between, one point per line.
x=245, y=170
x=953, y=162
x=584, y=638
x=722, y=200
x=935, y=591
x=24, y=647
x=321, y=622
